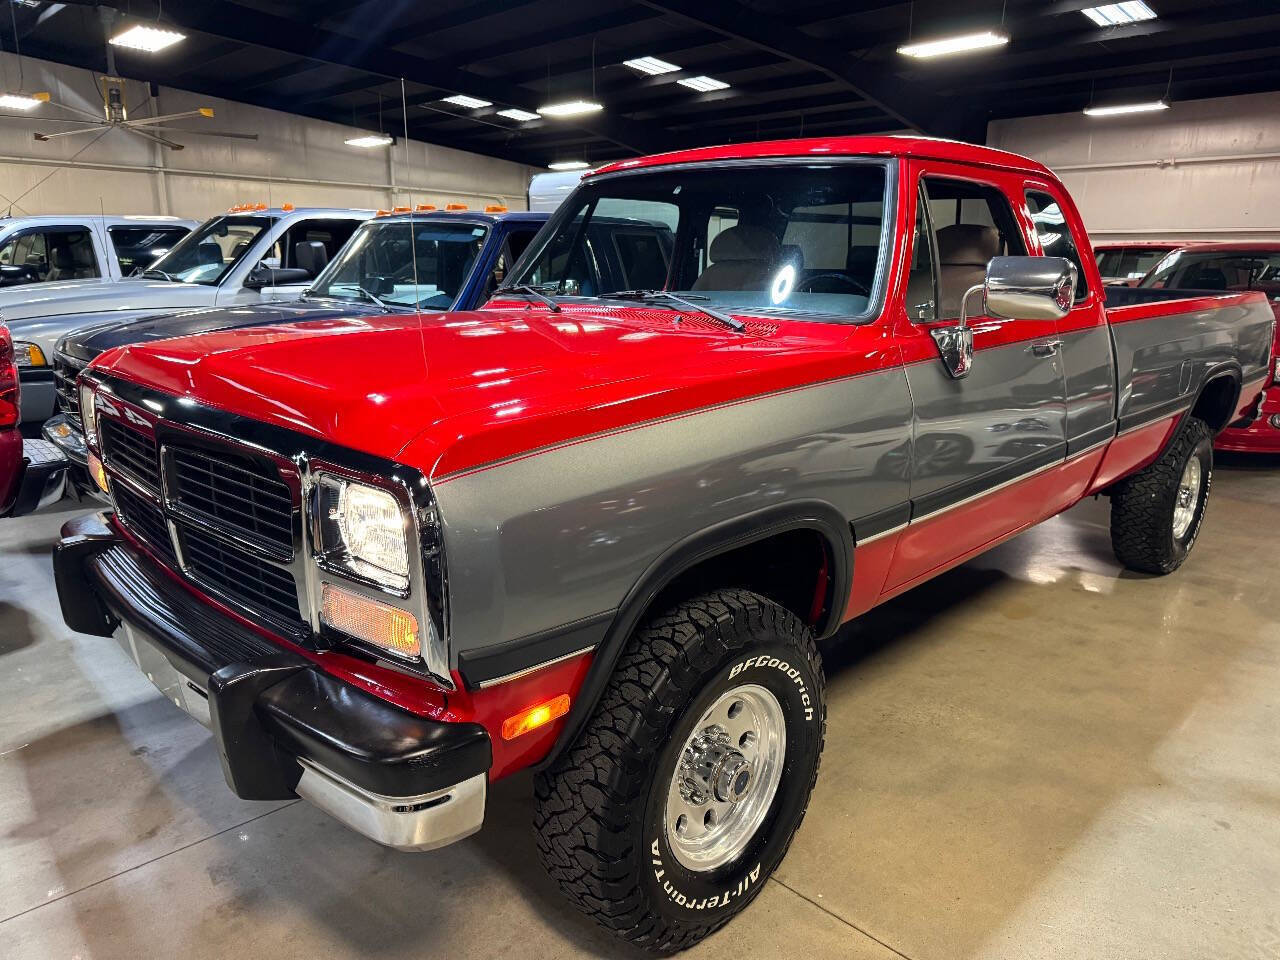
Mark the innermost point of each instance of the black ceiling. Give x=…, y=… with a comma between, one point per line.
x=795, y=66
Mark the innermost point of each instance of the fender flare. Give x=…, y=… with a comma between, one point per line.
x=816, y=515
x=1228, y=368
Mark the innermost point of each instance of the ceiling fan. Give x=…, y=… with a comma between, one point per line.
x=115, y=113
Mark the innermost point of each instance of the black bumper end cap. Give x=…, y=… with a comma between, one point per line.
x=82, y=538
x=369, y=742
x=252, y=764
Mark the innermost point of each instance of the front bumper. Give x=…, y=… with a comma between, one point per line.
x=1261, y=436
x=284, y=728
x=43, y=480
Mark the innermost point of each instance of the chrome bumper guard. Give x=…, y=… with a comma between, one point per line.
x=283, y=727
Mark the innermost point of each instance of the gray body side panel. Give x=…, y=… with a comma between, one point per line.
x=1009, y=411
x=1164, y=360
x=540, y=542
x=1090, y=375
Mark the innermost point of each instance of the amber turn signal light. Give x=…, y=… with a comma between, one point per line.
x=98, y=473
x=377, y=623
x=529, y=720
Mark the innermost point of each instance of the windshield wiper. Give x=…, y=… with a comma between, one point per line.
x=372, y=298
x=152, y=271
x=650, y=296
x=531, y=291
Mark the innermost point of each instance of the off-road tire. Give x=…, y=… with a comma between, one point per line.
x=1142, y=506
x=601, y=807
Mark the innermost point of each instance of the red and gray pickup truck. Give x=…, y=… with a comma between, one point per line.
x=599, y=529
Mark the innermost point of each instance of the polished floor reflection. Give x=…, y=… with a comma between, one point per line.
x=1037, y=755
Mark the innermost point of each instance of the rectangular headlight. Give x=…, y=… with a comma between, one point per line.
x=364, y=532
x=89, y=414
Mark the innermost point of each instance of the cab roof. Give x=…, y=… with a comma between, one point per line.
x=470, y=216
x=883, y=146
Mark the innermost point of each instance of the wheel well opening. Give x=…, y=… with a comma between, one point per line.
x=1217, y=401
x=794, y=569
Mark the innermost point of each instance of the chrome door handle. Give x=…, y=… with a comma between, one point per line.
x=1045, y=348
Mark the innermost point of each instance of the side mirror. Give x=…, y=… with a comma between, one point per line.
x=264, y=276
x=1015, y=288
x=1030, y=288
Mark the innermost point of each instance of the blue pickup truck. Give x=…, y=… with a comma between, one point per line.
x=425, y=262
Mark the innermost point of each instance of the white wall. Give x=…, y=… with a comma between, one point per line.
x=1202, y=169
x=295, y=159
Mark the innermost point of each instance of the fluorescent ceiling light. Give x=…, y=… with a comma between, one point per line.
x=149, y=39
x=949, y=45
x=370, y=140
x=1117, y=14
x=568, y=165
x=514, y=114
x=1126, y=108
x=650, y=65
x=462, y=100
x=571, y=108
x=23, y=101
x=703, y=84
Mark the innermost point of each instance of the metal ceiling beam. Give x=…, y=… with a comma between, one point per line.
x=871, y=82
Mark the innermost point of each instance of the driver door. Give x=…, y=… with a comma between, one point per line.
x=977, y=439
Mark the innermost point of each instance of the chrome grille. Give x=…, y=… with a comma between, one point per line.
x=130, y=451
x=65, y=371
x=145, y=520
x=241, y=576
x=232, y=491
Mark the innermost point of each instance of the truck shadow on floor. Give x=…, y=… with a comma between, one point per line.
x=17, y=628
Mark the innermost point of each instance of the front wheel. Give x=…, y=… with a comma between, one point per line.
x=683, y=793
x=1156, y=514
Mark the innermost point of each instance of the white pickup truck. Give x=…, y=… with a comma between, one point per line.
x=240, y=257
x=70, y=247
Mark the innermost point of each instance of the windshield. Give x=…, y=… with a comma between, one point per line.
x=1130, y=263
x=773, y=238
x=380, y=261
x=207, y=253
x=1218, y=270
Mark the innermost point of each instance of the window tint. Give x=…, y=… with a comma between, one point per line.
x=47, y=255
x=643, y=259
x=208, y=252
x=332, y=234
x=971, y=223
x=804, y=239
x=1219, y=270
x=423, y=263
x=1055, y=235
x=1128, y=263
x=138, y=247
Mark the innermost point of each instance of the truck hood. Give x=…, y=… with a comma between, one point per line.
x=450, y=392
x=86, y=343
x=22, y=303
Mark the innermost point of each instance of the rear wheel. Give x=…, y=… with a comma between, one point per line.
x=684, y=791
x=1156, y=514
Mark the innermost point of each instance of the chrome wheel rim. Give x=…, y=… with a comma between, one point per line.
x=1187, y=498
x=726, y=776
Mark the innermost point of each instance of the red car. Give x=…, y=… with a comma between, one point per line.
x=1125, y=263
x=10, y=439
x=32, y=472
x=1233, y=267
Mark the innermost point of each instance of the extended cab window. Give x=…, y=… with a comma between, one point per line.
x=138, y=247
x=1055, y=235
x=971, y=223
x=206, y=254
x=58, y=253
x=775, y=238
